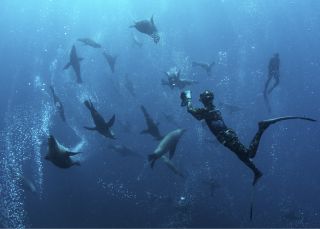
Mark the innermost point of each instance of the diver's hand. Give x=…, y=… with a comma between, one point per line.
x=185, y=97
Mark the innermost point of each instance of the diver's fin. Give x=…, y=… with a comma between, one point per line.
x=111, y=121
x=152, y=159
x=67, y=66
x=90, y=128
x=268, y=122
x=151, y=20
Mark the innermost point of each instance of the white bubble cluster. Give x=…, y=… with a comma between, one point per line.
x=26, y=126
x=11, y=201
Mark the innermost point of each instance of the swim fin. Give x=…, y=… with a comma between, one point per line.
x=266, y=123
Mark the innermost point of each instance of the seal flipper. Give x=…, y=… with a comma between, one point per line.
x=172, y=151
x=152, y=159
x=111, y=121
x=69, y=153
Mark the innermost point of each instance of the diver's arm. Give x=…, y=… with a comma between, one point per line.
x=195, y=112
x=186, y=101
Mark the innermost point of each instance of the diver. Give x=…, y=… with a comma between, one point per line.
x=226, y=135
x=273, y=73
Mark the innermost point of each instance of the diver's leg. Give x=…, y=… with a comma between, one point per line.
x=257, y=173
x=263, y=125
x=255, y=142
x=276, y=78
x=267, y=85
x=230, y=140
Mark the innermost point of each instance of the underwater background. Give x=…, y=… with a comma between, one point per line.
x=110, y=190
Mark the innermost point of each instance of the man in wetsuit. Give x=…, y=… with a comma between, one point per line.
x=226, y=135
x=273, y=73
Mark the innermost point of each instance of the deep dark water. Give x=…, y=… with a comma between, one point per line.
x=110, y=190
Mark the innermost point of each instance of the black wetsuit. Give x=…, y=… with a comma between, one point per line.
x=273, y=72
x=227, y=136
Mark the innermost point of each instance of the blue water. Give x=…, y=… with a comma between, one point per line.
x=109, y=190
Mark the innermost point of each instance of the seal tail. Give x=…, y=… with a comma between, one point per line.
x=152, y=159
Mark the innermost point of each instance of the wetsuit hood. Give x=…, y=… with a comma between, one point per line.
x=206, y=98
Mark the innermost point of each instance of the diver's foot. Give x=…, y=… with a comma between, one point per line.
x=257, y=176
x=263, y=125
